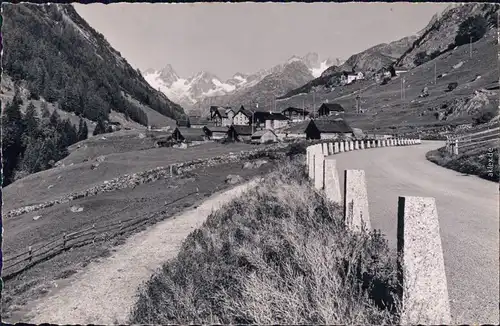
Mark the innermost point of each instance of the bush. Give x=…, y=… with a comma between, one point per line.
x=452, y=86
x=421, y=58
x=279, y=254
x=472, y=29
x=483, y=117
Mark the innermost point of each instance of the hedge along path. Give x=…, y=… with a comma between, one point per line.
x=106, y=291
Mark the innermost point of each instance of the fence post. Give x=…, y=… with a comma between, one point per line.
x=93, y=230
x=171, y=170
x=30, y=255
x=455, y=149
x=64, y=241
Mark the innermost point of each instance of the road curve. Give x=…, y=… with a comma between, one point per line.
x=468, y=209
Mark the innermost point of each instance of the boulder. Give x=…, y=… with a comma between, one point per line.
x=76, y=209
x=233, y=179
x=35, y=218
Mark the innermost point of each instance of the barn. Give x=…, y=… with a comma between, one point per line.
x=189, y=134
x=328, y=129
x=239, y=133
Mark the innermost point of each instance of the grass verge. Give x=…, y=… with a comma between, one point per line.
x=279, y=254
x=482, y=161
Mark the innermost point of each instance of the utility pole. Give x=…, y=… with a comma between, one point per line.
x=470, y=46
x=314, y=105
x=435, y=64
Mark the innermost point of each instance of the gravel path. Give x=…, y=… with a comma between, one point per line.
x=105, y=291
x=468, y=215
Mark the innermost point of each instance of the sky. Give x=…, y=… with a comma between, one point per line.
x=225, y=38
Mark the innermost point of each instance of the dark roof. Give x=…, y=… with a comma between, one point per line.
x=192, y=134
x=277, y=116
x=217, y=128
x=242, y=130
x=260, y=133
x=292, y=109
x=246, y=112
x=332, y=126
x=197, y=120
x=297, y=128
x=182, y=122
x=222, y=112
x=332, y=107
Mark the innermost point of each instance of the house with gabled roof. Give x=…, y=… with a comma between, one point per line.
x=216, y=132
x=243, y=117
x=295, y=114
x=329, y=129
x=328, y=109
x=189, y=134
x=239, y=132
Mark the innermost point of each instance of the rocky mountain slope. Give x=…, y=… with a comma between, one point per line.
x=54, y=54
x=205, y=87
x=375, y=58
x=384, y=107
x=439, y=34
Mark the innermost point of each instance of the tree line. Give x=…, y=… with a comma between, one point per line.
x=31, y=143
x=74, y=66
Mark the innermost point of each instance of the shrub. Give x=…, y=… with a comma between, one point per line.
x=279, y=254
x=472, y=29
x=483, y=117
x=421, y=58
x=452, y=86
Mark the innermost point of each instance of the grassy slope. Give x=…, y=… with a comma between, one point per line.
x=277, y=255
x=476, y=161
x=68, y=179
x=383, y=102
x=143, y=200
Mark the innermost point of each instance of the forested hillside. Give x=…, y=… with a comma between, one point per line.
x=56, y=55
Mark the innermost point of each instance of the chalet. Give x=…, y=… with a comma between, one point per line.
x=216, y=132
x=328, y=109
x=198, y=122
x=221, y=116
x=276, y=121
x=243, y=117
x=239, y=132
x=189, y=134
x=295, y=114
x=328, y=129
x=264, y=136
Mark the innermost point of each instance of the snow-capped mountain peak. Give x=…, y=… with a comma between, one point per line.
x=191, y=90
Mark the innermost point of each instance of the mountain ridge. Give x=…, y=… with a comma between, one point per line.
x=200, y=87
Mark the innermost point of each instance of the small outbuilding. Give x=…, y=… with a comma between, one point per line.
x=264, y=136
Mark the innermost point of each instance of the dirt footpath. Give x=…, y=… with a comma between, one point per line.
x=106, y=291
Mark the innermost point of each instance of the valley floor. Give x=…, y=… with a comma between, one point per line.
x=152, y=199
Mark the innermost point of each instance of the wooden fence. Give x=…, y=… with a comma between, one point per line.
x=14, y=265
x=459, y=143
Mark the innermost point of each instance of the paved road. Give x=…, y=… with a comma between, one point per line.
x=468, y=209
